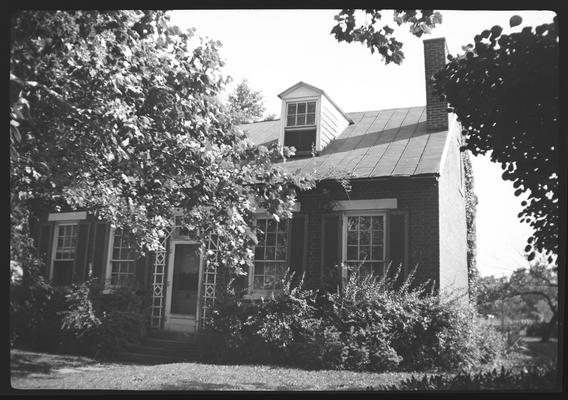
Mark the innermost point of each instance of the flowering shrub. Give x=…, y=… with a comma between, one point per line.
x=372, y=323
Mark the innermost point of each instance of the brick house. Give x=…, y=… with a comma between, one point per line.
x=406, y=205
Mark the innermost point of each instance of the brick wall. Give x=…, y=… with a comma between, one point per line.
x=416, y=195
x=435, y=53
x=453, y=229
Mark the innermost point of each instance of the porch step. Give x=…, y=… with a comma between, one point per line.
x=161, y=347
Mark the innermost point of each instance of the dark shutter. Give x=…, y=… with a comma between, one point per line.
x=397, y=242
x=297, y=247
x=100, y=250
x=141, y=266
x=44, y=245
x=80, y=268
x=331, y=250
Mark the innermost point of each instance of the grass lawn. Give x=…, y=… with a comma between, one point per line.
x=30, y=370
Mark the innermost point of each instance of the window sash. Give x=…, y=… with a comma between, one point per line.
x=122, y=260
x=270, y=255
x=66, y=242
x=301, y=113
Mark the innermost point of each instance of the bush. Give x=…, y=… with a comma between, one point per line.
x=373, y=323
x=100, y=323
x=537, y=378
x=540, y=329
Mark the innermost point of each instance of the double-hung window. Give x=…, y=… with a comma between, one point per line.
x=122, y=259
x=300, y=131
x=365, y=242
x=64, y=255
x=270, y=256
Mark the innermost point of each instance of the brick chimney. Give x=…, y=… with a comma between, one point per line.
x=435, y=57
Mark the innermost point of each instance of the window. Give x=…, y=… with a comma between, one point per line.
x=270, y=255
x=365, y=242
x=64, y=257
x=123, y=260
x=301, y=114
x=302, y=140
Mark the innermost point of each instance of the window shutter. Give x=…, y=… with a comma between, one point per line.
x=45, y=244
x=297, y=247
x=397, y=239
x=141, y=265
x=100, y=250
x=80, y=268
x=331, y=246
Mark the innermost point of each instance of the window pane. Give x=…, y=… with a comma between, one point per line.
x=352, y=223
x=292, y=109
x=291, y=120
x=364, y=252
x=269, y=269
x=270, y=252
x=258, y=268
x=280, y=253
x=282, y=238
x=271, y=226
x=270, y=239
x=312, y=107
x=377, y=223
x=301, y=108
x=352, y=237
x=377, y=253
x=258, y=282
x=259, y=252
x=301, y=119
x=310, y=119
x=364, y=237
x=364, y=223
x=352, y=253
x=268, y=282
x=377, y=237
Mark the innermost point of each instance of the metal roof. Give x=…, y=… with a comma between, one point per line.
x=381, y=143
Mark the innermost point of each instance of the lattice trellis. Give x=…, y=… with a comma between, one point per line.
x=158, y=279
x=209, y=282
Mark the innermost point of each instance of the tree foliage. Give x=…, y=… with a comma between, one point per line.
x=504, y=90
x=368, y=32
x=118, y=112
x=245, y=104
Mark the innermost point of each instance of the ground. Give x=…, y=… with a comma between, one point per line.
x=31, y=370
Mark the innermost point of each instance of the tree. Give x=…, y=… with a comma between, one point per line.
x=118, y=112
x=381, y=39
x=540, y=281
x=504, y=90
x=245, y=104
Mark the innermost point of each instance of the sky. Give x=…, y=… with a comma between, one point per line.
x=275, y=49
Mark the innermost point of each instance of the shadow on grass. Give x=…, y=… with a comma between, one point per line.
x=24, y=363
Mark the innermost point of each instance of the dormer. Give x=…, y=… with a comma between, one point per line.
x=309, y=118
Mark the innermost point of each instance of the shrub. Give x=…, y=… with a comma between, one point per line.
x=373, y=323
x=100, y=323
x=537, y=378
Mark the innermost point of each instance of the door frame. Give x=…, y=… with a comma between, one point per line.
x=169, y=282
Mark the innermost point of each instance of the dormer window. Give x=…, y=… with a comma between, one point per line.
x=301, y=131
x=310, y=119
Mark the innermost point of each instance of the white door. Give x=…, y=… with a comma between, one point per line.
x=183, y=286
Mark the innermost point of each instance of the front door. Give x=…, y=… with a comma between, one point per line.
x=183, y=285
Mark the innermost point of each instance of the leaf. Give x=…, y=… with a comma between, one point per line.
x=515, y=20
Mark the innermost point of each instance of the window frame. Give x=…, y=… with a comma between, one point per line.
x=252, y=293
x=57, y=224
x=365, y=213
x=108, y=274
x=284, y=121
x=296, y=103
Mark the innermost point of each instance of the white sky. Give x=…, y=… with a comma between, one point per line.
x=274, y=49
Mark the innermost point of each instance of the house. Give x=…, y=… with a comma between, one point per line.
x=406, y=205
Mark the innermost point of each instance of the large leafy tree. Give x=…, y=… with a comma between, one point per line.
x=504, y=90
x=364, y=26
x=246, y=104
x=118, y=112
